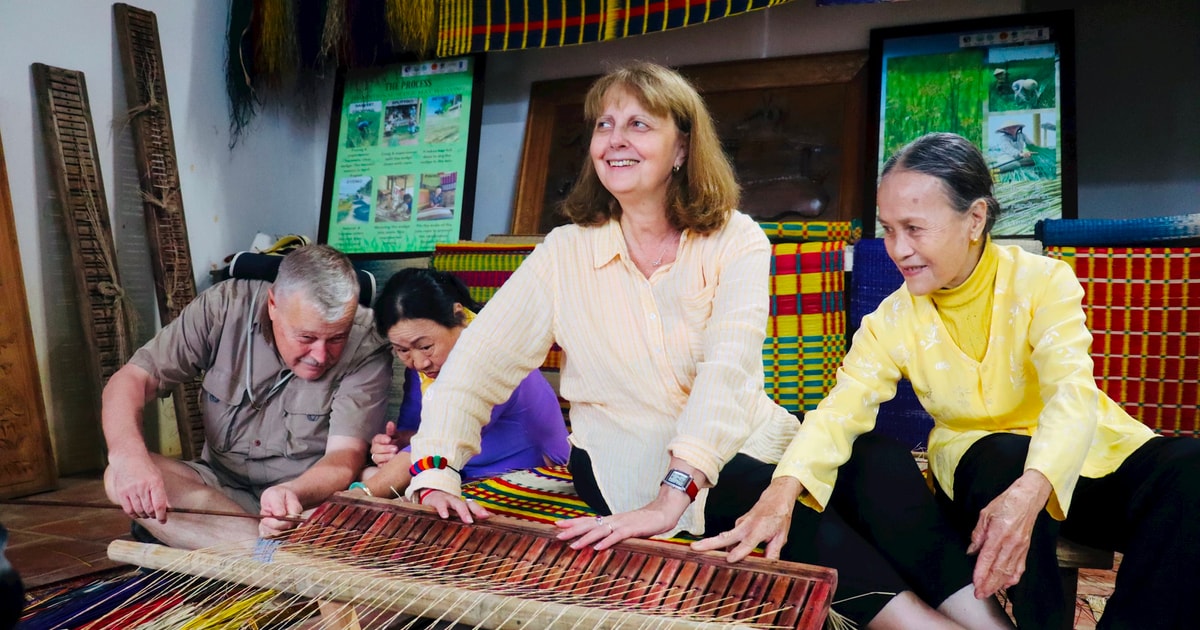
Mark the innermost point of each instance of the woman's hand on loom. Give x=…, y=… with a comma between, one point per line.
x=768, y=521
x=602, y=532
x=278, y=501
x=139, y=486
x=466, y=509
x=1002, y=534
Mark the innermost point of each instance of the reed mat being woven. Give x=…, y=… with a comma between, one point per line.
x=379, y=556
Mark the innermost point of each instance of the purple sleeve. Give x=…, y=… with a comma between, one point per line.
x=410, y=408
x=535, y=402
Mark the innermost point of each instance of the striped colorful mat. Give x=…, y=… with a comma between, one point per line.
x=540, y=495
x=1143, y=308
x=810, y=231
x=806, y=328
x=472, y=26
x=484, y=267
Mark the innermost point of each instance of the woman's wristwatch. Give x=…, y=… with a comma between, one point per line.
x=682, y=482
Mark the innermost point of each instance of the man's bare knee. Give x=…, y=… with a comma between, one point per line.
x=109, y=481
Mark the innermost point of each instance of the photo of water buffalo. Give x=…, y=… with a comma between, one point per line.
x=1021, y=84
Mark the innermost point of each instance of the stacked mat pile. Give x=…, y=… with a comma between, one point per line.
x=1143, y=308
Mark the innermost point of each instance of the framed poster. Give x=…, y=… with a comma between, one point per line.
x=793, y=127
x=403, y=145
x=1006, y=84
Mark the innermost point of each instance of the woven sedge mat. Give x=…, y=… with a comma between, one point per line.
x=541, y=495
x=1177, y=229
x=476, y=26
x=154, y=600
x=874, y=278
x=806, y=326
x=813, y=231
x=1143, y=308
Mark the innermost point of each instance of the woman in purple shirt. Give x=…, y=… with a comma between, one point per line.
x=422, y=312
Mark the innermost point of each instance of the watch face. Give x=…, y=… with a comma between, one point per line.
x=678, y=478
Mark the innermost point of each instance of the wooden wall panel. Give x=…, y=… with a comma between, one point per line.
x=26, y=457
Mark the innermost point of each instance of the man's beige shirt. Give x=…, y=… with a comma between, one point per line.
x=251, y=433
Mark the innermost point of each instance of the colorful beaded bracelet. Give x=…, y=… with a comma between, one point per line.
x=433, y=462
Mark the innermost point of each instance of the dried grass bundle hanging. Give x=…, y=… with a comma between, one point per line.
x=333, y=35
x=239, y=85
x=278, y=53
x=413, y=24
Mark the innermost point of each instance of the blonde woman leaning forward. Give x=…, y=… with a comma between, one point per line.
x=658, y=296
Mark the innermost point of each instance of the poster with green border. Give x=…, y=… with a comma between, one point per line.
x=400, y=168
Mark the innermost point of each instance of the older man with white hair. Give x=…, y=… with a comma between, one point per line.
x=295, y=383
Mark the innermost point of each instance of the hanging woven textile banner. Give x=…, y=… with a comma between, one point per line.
x=471, y=26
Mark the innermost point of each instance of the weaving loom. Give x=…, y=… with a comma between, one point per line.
x=400, y=562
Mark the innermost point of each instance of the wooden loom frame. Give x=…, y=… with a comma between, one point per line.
x=75, y=168
x=325, y=575
x=162, y=199
x=27, y=462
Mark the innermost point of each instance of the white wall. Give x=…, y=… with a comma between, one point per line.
x=796, y=28
x=1138, y=98
x=270, y=183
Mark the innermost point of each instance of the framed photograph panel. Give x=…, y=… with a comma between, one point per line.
x=403, y=147
x=1005, y=83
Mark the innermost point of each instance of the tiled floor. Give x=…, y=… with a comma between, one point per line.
x=50, y=544
x=1094, y=588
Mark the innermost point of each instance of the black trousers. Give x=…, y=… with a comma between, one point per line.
x=882, y=529
x=1148, y=509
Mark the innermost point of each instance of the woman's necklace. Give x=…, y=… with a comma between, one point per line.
x=662, y=253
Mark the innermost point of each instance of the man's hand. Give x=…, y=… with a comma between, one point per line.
x=1002, y=535
x=137, y=485
x=132, y=479
x=278, y=501
x=768, y=521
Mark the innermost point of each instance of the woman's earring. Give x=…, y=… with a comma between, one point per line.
x=675, y=169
